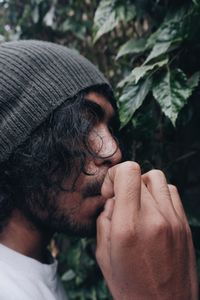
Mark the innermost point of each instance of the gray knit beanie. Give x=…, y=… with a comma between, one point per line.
x=35, y=78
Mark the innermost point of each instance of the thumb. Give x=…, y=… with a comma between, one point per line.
x=107, y=189
x=104, y=224
x=123, y=182
x=104, y=238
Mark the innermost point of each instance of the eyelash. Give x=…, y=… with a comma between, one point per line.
x=112, y=126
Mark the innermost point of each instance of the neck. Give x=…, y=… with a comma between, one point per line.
x=20, y=235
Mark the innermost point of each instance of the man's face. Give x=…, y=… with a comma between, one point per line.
x=76, y=212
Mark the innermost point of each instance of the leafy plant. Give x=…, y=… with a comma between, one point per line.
x=158, y=90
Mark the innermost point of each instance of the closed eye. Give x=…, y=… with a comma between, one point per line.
x=95, y=112
x=92, y=109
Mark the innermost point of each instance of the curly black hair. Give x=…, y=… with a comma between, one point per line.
x=38, y=167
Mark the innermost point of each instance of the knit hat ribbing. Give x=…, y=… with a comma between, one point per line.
x=35, y=78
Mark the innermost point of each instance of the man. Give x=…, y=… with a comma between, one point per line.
x=60, y=171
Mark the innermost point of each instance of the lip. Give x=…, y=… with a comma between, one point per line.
x=99, y=198
x=102, y=200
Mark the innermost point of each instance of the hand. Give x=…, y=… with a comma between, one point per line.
x=144, y=244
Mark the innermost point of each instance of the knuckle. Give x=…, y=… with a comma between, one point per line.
x=155, y=176
x=161, y=228
x=155, y=173
x=173, y=188
x=177, y=227
x=125, y=237
x=183, y=230
x=130, y=166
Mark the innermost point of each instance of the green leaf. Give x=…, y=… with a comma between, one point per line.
x=133, y=46
x=126, y=12
x=140, y=72
x=69, y=275
x=109, y=25
x=105, y=18
x=103, y=11
x=194, y=80
x=77, y=29
x=132, y=98
x=168, y=36
x=49, y=17
x=196, y=2
x=158, y=50
x=124, y=81
x=165, y=40
x=172, y=91
x=193, y=221
x=35, y=14
x=108, y=15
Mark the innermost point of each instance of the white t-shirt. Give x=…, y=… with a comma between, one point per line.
x=24, y=278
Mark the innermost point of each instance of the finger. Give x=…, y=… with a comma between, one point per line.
x=104, y=222
x=124, y=182
x=103, y=235
x=156, y=183
x=108, y=208
x=177, y=202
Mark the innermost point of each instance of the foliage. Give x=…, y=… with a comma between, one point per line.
x=81, y=276
x=158, y=93
x=150, y=50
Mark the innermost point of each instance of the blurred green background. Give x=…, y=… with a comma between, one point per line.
x=150, y=51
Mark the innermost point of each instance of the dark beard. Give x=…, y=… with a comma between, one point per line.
x=92, y=189
x=46, y=216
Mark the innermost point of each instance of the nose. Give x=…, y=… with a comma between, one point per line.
x=110, y=153
x=116, y=157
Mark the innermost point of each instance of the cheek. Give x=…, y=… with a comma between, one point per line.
x=81, y=205
x=80, y=210
x=68, y=200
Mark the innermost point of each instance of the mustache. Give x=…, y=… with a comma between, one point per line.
x=93, y=188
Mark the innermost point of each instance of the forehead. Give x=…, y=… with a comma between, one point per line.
x=101, y=101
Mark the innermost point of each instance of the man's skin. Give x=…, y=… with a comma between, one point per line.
x=144, y=244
